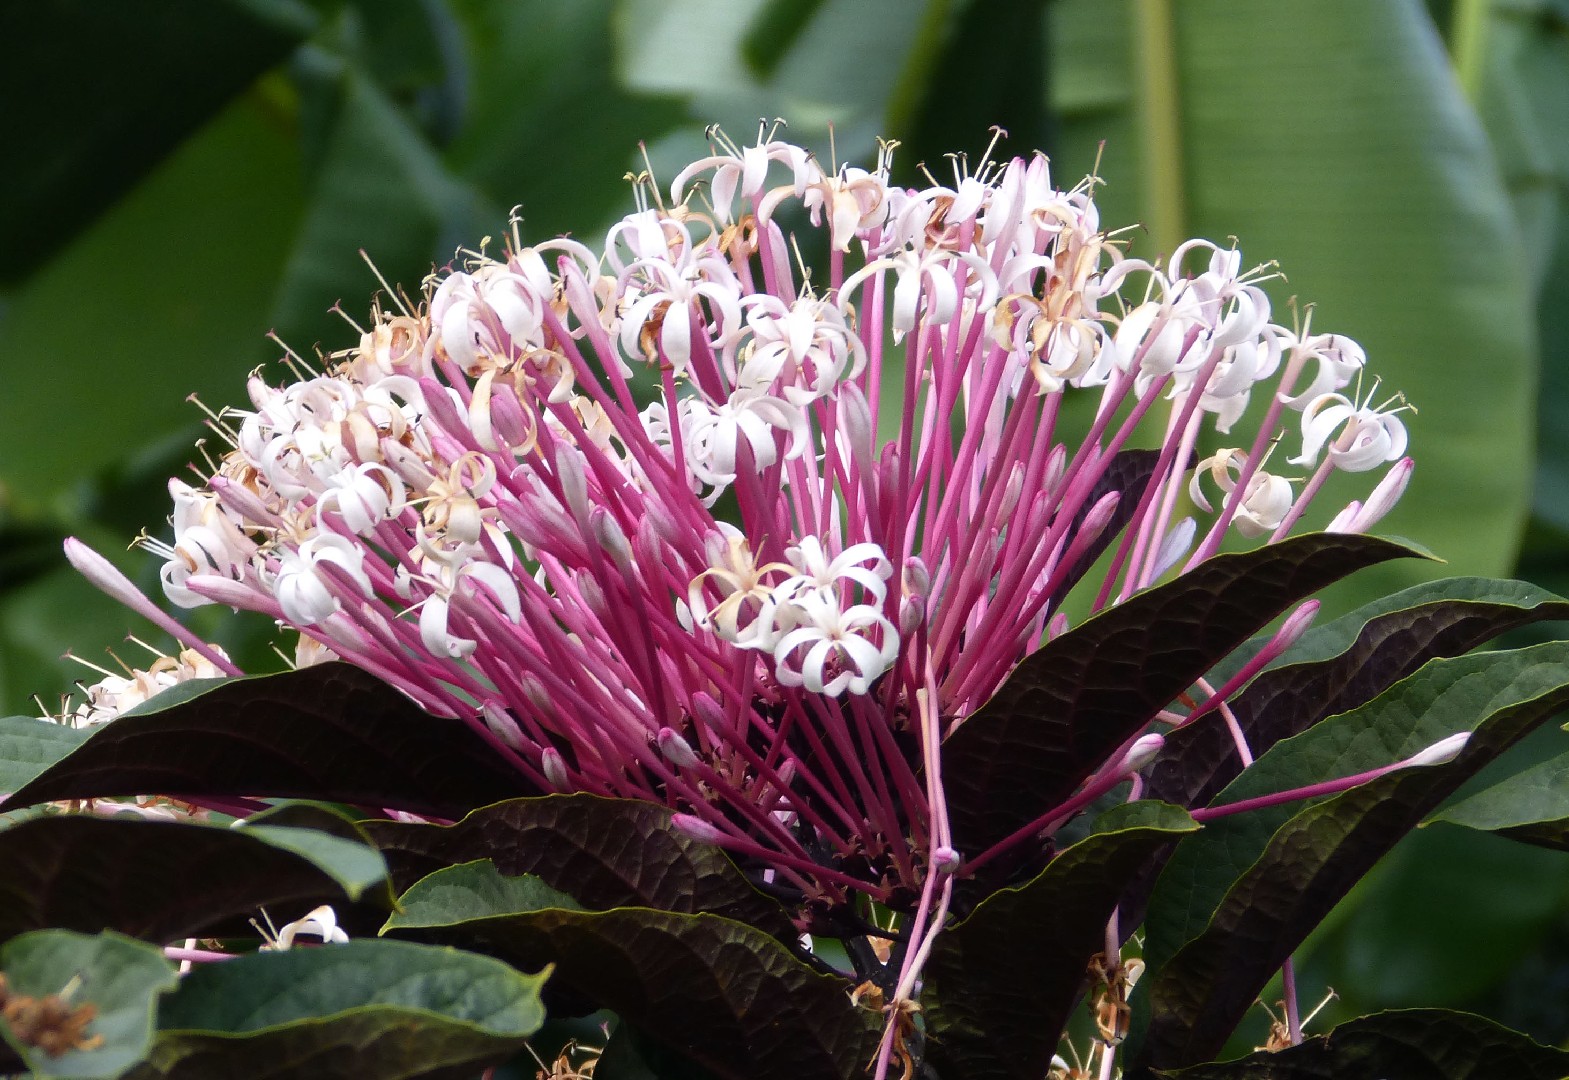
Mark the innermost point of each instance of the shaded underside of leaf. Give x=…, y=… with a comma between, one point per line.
x=162, y=880
x=727, y=995
x=604, y=853
x=1434, y=1044
x=373, y=1010
x=1072, y=703
x=1001, y=983
x=1342, y=665
x=1317, y=855
x=331, y=731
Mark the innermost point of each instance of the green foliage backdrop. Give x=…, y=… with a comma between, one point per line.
x=186, y=175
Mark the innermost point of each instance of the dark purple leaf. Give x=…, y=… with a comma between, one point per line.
x=1419, y=1044
x=1288, y=870
x=1071, y=704
x=604, y=853
x=162, y=880
x=1001, y=983
x=331, y=732
x=726, y=995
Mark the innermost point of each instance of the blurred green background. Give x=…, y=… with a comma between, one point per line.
x=181, y=177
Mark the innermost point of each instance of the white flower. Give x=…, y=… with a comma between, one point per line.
x=364, y=496
x=743, y=170
x=734, y=573
x=716, y=435
x=1367, y=436
x=665, y=298
x=808, y=343
x=321, y=922
x=832, y=648
x=298, y=583
x=1263, y=506
x=1338, y=358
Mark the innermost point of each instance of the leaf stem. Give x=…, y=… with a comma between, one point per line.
x=1468, y=44
x=1159, y=118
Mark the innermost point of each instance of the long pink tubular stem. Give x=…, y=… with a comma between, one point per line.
x=927, y=923
x=1310, y=791
x=103, y=573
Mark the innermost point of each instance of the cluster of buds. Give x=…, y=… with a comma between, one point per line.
x=676, y=519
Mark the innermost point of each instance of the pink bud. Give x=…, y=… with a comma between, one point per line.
x=708, y=712
x=554, y=766
x=1384, y=496
x=609, y=533
x=677, y=750
x=501, y=724
x=696, y=828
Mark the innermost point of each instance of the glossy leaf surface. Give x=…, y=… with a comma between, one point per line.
x=331, y=731
x=1001, y=982
x=374, y=1010
x=604, y=853
x=1531, y=806
x=1070, y=704
x=1270, y=876
x=163, y=880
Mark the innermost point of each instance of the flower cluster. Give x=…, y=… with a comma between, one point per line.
x=676, y=519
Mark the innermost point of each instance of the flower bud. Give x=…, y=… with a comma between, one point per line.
x=501, y=724
x=677, y=750
x=1440, y=753
x=696, y=828
x=1140, y=754
x=554, y=766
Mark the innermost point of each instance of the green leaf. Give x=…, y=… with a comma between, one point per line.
x=1434, y=1044
x=330, y=731
x=1532, y=806
x=473, y=890
x=29, y=745
x=219, y=211
x=774, y=29
x=1008, y=93
x=1001, y=983
x=604, y=853
x=382, y=189
x=1270, y=103
x=374, y=1010
x=116, y=978
x=542, y=75
x=1341, y=665
x=727, y=995
x=143, y=75
x=163, y=880
x=1070, y=704
x=1270, y=876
